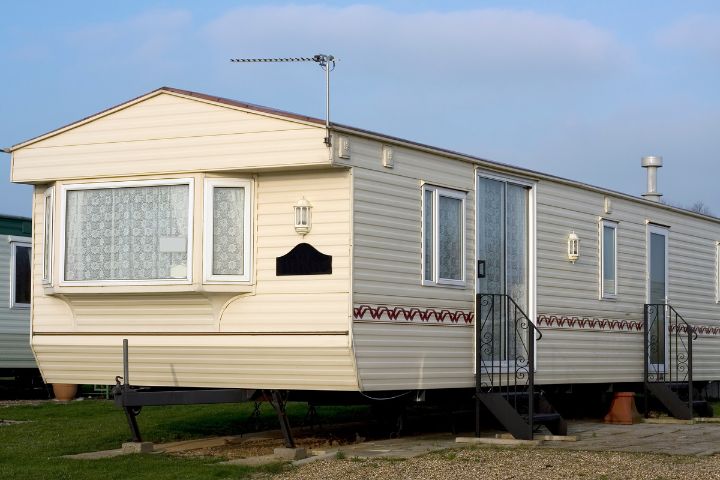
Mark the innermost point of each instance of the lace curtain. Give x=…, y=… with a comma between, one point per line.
x=134, y=233
x=516, y=246
x=228, y=231
x=428, y=235
x=490, y=217
x=450, y=238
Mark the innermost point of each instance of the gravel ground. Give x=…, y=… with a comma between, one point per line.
x=510, y=463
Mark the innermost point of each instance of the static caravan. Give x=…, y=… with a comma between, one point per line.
x=16, y=358
x=235, y=248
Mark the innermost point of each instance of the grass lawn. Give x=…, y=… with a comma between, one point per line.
x=32, y=450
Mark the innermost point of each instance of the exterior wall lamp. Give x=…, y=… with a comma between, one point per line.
x=573, y=247
x=303, y=218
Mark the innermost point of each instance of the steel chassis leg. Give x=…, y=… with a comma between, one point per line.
x=131, y=414
x=312, y=418
x=255, y=415
x=278, y=404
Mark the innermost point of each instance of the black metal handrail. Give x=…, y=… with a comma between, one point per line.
x=668, y=340
x=505, y=351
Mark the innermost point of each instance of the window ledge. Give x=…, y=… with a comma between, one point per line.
x=130, y=289
x=445, y=285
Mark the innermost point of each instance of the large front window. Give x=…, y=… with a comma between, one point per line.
x=443, y=236
x=127, y=232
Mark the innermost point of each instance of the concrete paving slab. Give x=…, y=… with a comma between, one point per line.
x=546, y=438
x=507, y=442
x=96, y=455
x=254, y=461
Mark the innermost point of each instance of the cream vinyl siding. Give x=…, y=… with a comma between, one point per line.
x=387, y=270
x=565, y=289
x=306, y=319
x=168, y=132
x=317, y=303
x=319, y=362
x=14, y=322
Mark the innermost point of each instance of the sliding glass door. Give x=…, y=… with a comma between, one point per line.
x=503, y=259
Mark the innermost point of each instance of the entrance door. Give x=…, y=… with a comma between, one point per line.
x=503, y=259
x=657, y=275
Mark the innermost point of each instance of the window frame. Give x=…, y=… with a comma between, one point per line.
x=47, y=246
x=436, y=280
x=717, y=272
x=604, y=222
x=208, y=213
x=190, y=182
x=14, y=243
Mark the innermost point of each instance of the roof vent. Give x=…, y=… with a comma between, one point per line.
x=652, y=163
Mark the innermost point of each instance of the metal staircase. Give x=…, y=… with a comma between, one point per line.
x=668, y=346
x=505, y=369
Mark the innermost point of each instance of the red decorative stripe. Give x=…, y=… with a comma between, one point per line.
x=586, y=322
x=616, y=325
x=412, y=314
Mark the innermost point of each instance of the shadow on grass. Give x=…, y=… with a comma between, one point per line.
x=33, y=450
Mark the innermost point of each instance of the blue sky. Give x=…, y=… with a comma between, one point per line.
x=577, y=89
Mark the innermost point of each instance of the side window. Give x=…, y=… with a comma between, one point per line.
x=227, y=230
x=48, y=236
x=608, y=259
x=19, y=275
x=443, y=234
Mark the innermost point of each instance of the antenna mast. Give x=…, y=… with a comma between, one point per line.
x=326, y=62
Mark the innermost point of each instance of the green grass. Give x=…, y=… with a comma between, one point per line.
x=33, y=450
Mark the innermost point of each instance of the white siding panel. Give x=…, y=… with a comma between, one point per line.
x=393, y=357
x=587, y=355
x=387, y=270
x=581, y=356
x=387, y=212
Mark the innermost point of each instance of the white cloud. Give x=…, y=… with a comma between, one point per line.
x=144, y=38
x=486, y=42
x=700, y=33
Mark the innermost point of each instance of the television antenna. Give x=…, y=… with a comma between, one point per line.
x=326, y=62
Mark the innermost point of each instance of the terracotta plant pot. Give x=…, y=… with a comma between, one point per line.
x=64, y=391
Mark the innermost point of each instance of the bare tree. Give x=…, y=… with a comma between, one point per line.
x=700, y=207
x=697, y=207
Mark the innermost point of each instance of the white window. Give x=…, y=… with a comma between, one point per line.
x=19, y=274
x=608, y=259
x=228, y=230
x=136, y=232
x=48, y=235
x=443, y=232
